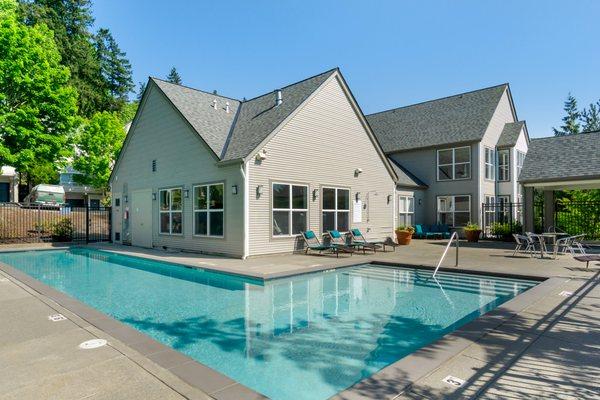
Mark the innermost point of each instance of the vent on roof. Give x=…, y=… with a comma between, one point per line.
x=214, y=105
x=278, y=98
x=227, y=107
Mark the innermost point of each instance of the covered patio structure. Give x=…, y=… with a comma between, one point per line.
x=558, y=163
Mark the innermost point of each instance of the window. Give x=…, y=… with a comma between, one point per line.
x=117, y=202
x=290, y=209
x=520, y=161
x=170, y=212
x=406, y=210
x=454, y=210
x=208, y=210
x=489, y=164
x=336, y=209
x=504, y=165
x=454, y=164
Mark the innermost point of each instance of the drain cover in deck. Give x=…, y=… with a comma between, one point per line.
x=92, y=344
x=453, y=381
x=57, y=318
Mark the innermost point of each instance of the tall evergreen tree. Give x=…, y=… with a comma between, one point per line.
x=570, y=124
x=590, y=117
x=140, y=93
x=114, y=67
x=174, y=77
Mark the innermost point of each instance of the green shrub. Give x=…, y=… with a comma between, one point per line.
x=63, y=229
x=408, y=229
x=472, y=227
x=505, y=229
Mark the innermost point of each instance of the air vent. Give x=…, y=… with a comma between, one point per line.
x=153, y=165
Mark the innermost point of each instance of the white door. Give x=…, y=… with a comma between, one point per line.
x=141, y=218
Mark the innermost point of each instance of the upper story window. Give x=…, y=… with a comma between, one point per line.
x=336, y=209
x=209, y=210
x=454, y=164
x=171, y=211
x=490, y=164
x=520, y=161
x=504, y=165
x=289, y=209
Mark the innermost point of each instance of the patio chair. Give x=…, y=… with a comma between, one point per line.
x=358, y=237
x=539, y=240
x=570, y=244
x=336, y=239
x=313, y=243
x=524, y=243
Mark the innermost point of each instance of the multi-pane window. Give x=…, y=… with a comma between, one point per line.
x=289, y=209
x=454, y=210
x=170, y=211
x=520, y=161
x=336, y=209
x=489, y=164
x=504, y=165
x=209, y=210
x=406, y=210
x=453, y=164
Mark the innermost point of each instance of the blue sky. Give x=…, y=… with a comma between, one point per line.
x=392, y=53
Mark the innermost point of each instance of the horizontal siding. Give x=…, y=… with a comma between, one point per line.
x=321, y=145
x=182, y=160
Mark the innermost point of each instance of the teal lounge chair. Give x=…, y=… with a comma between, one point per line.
x=358, y=237
x=336, y=239
x=313, y=243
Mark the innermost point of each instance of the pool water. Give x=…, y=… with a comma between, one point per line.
x=304, y=337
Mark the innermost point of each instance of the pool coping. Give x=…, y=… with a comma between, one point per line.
x=404, y=372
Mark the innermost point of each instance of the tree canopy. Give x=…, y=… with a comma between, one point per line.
x=174, y=77
x=576, y=121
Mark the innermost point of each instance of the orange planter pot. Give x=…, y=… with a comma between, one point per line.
x=403, y=237
x=473, y=235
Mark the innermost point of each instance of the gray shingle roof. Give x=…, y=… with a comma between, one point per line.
x=510, y=134
x=455, y=119
x=562, y=158
x=405, y=177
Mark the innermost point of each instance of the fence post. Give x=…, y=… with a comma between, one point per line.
x=87, y=223
x=110, y=239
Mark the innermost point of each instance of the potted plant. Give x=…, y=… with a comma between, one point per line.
x=404, y=234
x=472, y=232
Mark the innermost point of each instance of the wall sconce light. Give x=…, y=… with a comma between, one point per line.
x=420, y=201
x=186, y=193
x=389, y=198
x=234, y=189
x=259, y=190
x=315, y=194
x=126, y=198
x=153, y=196
x=357, y=196
x=358, y=171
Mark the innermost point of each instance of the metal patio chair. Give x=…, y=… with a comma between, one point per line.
x=524, y=243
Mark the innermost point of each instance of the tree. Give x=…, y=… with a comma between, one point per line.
x=98, y=145
x=38, y=108
x=127, y=112
x=174, y=77
x=570, y=124
x=114, y=67
x=590, y=117
x=140, y=93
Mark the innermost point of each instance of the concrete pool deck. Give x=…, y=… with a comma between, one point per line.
x=548, y=347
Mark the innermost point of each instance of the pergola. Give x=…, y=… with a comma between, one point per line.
x=558, y=163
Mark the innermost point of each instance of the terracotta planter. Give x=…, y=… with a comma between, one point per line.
x=403, y=237
x=473, y=235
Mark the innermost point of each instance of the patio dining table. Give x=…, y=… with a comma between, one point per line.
x=552, y=236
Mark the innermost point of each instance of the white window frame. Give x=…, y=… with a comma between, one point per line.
x=337, y=210
x=503, y=169
x=453, y=164
x=408, y=211
x=208, y=210
x=453, y=210
x=489, y=163
x=290, y=210
x=170, y=211
x=520, y=161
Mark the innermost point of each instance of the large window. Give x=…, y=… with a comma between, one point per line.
x=208, y=210
x=490, y=164
x=454, y=164
x=504, y=165
x=520, y=161
x=171, y=216
x=454, y=210
x=290, y=209
x=336, y=209
x=406, y=210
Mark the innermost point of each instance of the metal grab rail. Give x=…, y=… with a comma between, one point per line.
x=453, y=237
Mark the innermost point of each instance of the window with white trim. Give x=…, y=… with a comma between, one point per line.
x=454, y=164
x=454, y=210
x=406, y=210
x=520, y=161
x=209, y=210
x=489, y=164
x=171, y=211
x=335, y=209
x=504, y=165
x=289, y=209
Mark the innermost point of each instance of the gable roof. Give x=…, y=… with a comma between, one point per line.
x=510, y=134
x=455, y=119
x=560, y=158
x=405, y=178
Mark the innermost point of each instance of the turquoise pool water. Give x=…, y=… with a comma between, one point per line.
x=305, y=337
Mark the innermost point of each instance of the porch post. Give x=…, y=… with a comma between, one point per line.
x=548, y=209
x=528, y=209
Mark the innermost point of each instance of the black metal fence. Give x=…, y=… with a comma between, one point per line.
x=501, y=220
x=577, y=218
x=40, y=223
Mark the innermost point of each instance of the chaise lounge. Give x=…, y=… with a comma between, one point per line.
x=359, y=238
x=313, y=243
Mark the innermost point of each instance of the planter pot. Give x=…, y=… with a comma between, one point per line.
x=403, y=237
x=473, y=235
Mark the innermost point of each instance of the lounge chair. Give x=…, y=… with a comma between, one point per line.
x=336, y=239
x=359, y=238
x=313, y=243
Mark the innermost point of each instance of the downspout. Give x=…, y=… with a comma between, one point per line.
x=244, y=169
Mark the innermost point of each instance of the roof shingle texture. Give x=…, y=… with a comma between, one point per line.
x=562, y=157
x=455, y=119
x=510, y=134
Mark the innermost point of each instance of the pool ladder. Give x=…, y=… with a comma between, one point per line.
x=455, y=238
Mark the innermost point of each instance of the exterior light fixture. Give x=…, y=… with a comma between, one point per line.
x=358, y=171
x=186, y=193
x=259, y=190
x=420, y=201
x=234, y=189
x=153, y=196
x=126, y=198
x=315, y=194
x=357, y=196
x=389, y=198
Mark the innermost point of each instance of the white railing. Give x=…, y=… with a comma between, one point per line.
x=453, y=237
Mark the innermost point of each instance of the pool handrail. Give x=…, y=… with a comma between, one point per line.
x=454, y=236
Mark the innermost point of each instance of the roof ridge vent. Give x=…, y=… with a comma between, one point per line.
x=278, y=98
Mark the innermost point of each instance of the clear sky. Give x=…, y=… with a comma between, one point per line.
x=392, y=53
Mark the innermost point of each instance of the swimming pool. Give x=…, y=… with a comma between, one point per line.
x=303, y=337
